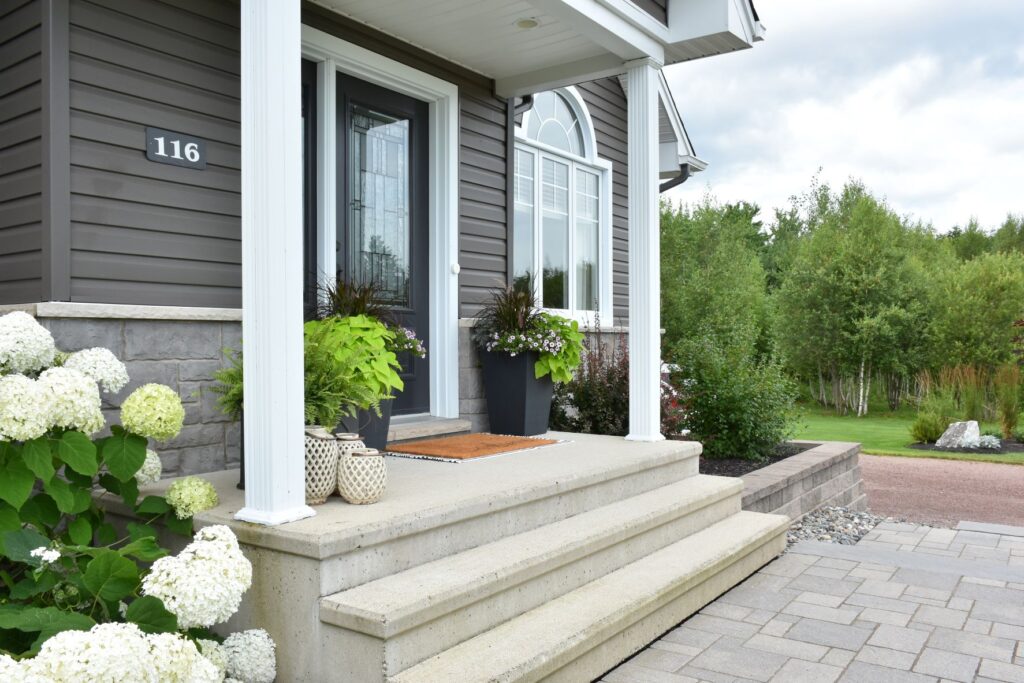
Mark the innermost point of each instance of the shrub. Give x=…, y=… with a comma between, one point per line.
x=1007, y=385
x=596, y=399
x=936, y=412
x=737, y=406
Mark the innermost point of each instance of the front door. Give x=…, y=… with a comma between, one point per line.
x=383, y=212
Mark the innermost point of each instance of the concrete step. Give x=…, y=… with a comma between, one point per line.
x=402, y=619
x=406, y=427
x=587, y=631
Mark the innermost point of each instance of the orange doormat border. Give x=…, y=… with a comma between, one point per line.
x=468, y=446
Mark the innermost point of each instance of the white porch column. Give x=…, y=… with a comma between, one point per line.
x=272, y=262
x=644, y=253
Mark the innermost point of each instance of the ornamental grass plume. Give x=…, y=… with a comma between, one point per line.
x=191, y=495
x=153, y=411
x=152, y=469
x=24, y=413
x=204, y=583
x=72, y=400
x=251, y=657
x=25, y=346
x=102, y=366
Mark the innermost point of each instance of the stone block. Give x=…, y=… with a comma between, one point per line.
x=471, y=383
x=166, y=340
x=189, y=391
x=193, y=413
x=948, y=665
x=899, y=638
x=231, y=336
x=233, y=443
x=171, y=460
x=74, y=334
x=196, y=370
x=198, y=435
x=883, y=656
x=145, y=372
x=202, y=459
x=472, y=406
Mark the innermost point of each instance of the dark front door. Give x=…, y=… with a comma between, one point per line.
x=383, y=211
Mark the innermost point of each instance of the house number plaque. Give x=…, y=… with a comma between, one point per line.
x=168, y=147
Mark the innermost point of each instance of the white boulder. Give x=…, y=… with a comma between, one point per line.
x=960, y=435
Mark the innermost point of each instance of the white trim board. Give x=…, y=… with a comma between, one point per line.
x=334, y=54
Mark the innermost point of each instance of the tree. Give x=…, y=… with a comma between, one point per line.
x=1010, y=236
x=969, y=242
x=854, y=301
x=976, y=305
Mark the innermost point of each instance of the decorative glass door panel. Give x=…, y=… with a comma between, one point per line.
x=379, y=233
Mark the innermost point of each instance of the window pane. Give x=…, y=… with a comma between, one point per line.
x=553, y=122
x=587, y=241
x=555, y=233
x=523, y=228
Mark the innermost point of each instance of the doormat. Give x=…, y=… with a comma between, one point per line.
x=467, y=446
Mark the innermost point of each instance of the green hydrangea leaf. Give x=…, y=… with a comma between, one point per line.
x=60, y=491
x=38, y=458
x=30, y=586
x=9, y=520
x=150, y=615
x=145, y=548
x=106, y=534
x=78, y=452
x=153, y=505
x=130, y=492
x=19, y=544
x=80, y=531
x=182, y=527
x=83, y=501
x=16, y=482
x=110, y=576
x=137, y=531
x=124, y=454
x=46, y=621
x=40, y=510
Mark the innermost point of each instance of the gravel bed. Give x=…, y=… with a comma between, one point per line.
x=835, y=525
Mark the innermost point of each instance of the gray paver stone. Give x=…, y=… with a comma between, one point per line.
x=947, y=665
x=883, y=656
x=862, y=672
x=899, y=638
x=827, y=633
x=797, y=671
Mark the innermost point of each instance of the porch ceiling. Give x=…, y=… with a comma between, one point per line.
x=480, y=35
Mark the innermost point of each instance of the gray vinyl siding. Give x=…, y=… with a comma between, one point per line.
x=483, y=139
x=607, y=105
x=656, y=8
x=146, y=233
x=21, y=141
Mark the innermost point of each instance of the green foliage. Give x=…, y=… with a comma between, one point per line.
x=934, y=416
x=737, y=406
x=229, y=385
x=47, y=494
x=1008, y=403
x=562, y=363
x=977, y=303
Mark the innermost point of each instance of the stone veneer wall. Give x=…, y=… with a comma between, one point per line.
x=182, y=354
x=826, y=474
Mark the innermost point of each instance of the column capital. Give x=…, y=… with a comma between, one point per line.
x=644, y=61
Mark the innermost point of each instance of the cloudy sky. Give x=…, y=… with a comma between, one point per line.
x=922, y=100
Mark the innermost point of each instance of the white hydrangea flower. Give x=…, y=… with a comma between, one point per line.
x=24, y=410
x=216, y=653
x=191, y=495
x=45, y=555
x=153, y=411
x=25, y=345
x=102, y=366
x=178, y=660
x=73, y=400
x=204, y=583
x=13, y=671
x=113, y=653
x=251, y=657
x=151, y=469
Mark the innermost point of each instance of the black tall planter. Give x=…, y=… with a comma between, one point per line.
x=372, y=429
x=517, y=402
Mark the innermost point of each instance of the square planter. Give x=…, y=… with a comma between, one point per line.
x=518, y=403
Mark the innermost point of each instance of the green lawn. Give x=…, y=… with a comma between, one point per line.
x=884, y=434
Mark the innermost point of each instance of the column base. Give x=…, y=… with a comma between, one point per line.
x=248, y=514
x=645, y=437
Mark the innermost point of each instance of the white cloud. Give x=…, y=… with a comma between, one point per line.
x=923, y=101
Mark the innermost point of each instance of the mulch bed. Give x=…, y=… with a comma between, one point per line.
x=1008, y=446
x=737, y=467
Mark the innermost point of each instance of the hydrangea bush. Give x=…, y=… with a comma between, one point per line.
x=81, y=600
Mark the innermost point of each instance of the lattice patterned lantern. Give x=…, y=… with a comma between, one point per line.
x=348, y=442
x=362, y=476
x=321, y=465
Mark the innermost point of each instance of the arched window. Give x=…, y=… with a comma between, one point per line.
x=561, y=236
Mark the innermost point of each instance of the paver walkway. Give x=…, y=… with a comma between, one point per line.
x=908, y=604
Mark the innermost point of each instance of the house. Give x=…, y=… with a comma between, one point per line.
x=170, y=168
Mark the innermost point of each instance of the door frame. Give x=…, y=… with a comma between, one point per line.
x=333, y=55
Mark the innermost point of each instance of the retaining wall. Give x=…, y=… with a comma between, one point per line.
x=825, y=474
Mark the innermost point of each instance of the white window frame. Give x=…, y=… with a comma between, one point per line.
x=590, y=162
x=334, y=55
